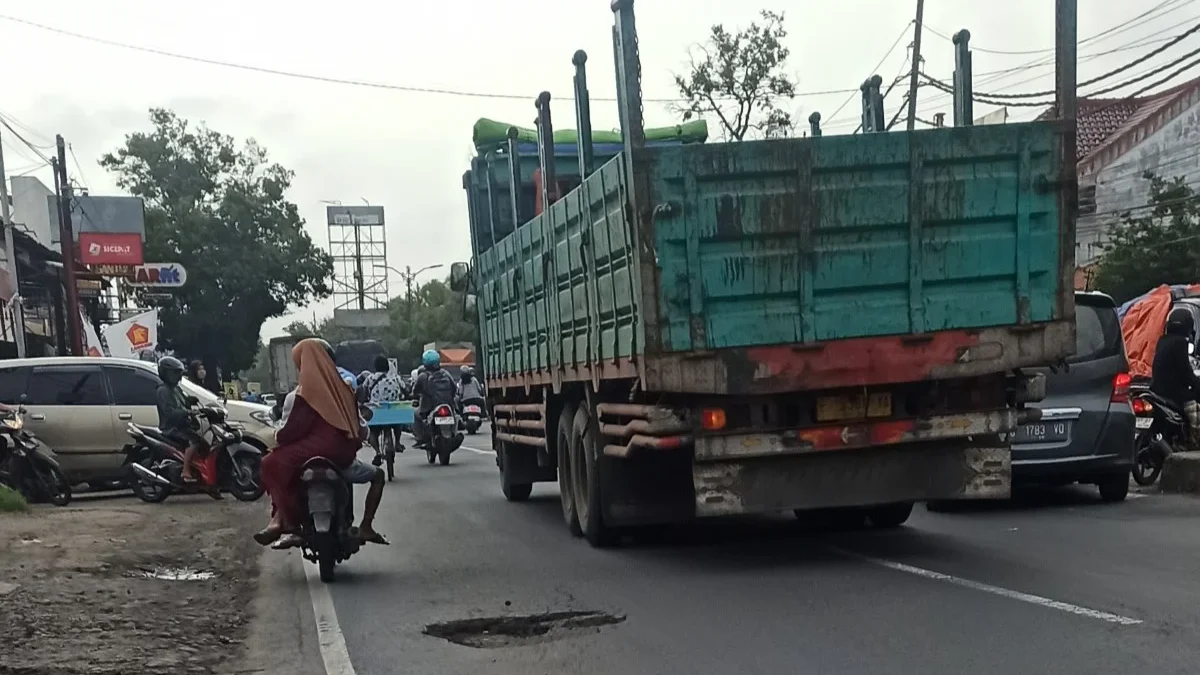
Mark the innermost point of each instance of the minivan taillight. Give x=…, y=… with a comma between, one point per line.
x=1120, y=388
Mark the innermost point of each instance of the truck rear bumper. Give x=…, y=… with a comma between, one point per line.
x=899, y=473
x=849, y=436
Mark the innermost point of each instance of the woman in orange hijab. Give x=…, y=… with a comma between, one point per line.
x=323, y=422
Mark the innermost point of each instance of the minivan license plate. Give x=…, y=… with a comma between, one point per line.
x=1043, y=432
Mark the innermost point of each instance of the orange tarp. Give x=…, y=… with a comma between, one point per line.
x=1143, y=324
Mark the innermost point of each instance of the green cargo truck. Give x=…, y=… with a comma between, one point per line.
x=698, y=329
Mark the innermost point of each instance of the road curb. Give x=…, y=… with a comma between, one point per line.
x=1181, y=473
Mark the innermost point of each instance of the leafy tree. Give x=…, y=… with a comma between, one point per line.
x=740, y=78
x=1157, y=244
x=220, y=211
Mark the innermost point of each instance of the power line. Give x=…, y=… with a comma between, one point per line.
x=1119, y=28
x=78, y=167
x=877, y=67
x=31, y=146
x=328, y=79
x=1115, y=71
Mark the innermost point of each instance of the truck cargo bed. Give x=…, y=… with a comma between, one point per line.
x=757, y=266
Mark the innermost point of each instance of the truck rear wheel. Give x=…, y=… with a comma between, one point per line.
x=585, y=479
x=566, y=493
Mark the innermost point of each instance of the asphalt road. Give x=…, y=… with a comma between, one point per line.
x=1054, y=583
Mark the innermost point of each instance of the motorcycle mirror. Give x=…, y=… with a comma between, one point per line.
x=1191, y=348
x=469, y=307
x=23, y=399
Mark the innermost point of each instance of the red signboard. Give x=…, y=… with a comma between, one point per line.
x=105, y=248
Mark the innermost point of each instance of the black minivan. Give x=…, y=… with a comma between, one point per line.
x=1086, y=434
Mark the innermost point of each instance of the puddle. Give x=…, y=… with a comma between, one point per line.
x=512, y=631
x=173, y=574
x=26, y=542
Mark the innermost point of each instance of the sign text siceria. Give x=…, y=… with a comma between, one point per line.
x=98, y=248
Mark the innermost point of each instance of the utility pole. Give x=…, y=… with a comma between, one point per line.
x=913, y=80
x=1066, y=33
x=67, y=247
x=10, y=251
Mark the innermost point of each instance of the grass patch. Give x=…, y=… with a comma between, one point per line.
x=11, y=501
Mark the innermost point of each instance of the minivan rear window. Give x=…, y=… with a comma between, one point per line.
x=1097, y=333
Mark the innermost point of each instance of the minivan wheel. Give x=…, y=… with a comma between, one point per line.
x=1114, y=487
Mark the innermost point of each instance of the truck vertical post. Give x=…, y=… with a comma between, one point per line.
x=964, y=92
x=545, y=129
x=514, y=175
x=629, y=76
x=1066, y=27
x=814, y=124
x=872, y=102
x=583, y=116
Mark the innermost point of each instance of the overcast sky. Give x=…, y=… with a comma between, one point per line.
x=407, y=151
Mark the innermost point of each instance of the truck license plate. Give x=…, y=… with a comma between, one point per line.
x=1143, y=422
x=1043, y=432
x=854, y=407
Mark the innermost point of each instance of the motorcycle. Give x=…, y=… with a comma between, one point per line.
x=1162, y=430
x=328, y=535
x=442, y=427
x=25, y=464
x=155, y=460
x=472, y=416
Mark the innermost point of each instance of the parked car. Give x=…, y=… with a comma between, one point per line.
x=1087, y=430
x=79, y=406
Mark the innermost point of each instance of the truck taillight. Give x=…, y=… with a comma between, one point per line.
x=1142, y=407
x=1120, y=388
x=712, y=419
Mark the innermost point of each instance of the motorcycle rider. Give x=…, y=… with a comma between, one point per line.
x=358, y=472
x=1171, y=376
x=434, y=387
x=174, y=417
x=470, y=389
x=383, y=386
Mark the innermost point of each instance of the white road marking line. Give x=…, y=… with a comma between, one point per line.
x=478, y=451
x=329, y=631
x=1002, y=592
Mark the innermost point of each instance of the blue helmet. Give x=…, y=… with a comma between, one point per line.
x=431, y=358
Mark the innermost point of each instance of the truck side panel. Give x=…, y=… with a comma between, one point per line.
x=808, y=240
x=557, y=297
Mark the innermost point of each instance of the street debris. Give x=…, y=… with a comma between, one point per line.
x=513, y=631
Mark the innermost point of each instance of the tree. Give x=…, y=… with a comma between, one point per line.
x=740, y=78
x=220, y=211
x=1153, y=245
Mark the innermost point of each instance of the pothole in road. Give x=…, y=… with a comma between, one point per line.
x=173, y=574
x=513, y=631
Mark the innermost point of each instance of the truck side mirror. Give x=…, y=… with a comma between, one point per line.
x=459, y=274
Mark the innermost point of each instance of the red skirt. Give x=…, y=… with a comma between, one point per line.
x=280, y=472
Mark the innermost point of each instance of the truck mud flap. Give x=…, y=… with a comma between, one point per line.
x=909, y=472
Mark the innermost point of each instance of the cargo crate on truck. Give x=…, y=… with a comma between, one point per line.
x=703, y=329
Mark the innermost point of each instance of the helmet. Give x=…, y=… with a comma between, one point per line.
x=170, y=369
x=431, y=359
x=324, y=345
x=466, y=372
x=1180, y=322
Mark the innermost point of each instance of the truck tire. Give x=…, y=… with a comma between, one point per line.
x=562, y=443
x=889, y=516
x=513, y=492
x=585, y=480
